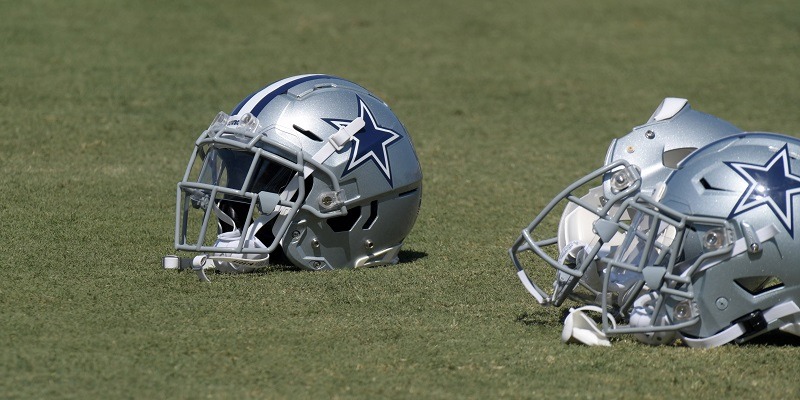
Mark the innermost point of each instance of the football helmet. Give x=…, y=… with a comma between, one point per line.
x=637, y=162
x=716, y=254
x=312, y=169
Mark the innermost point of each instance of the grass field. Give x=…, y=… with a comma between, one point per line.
x=507, y=103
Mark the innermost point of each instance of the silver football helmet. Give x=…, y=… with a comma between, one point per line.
x=717, y=253
x=313, y=169
x=637, y=162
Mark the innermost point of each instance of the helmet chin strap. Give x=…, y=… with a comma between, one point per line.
x=238, y=262
x=227, y=262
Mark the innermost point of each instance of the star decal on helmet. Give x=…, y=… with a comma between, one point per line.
x=771, y=184
x=369, y=143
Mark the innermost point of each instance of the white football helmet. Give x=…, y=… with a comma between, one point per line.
x=312, y=169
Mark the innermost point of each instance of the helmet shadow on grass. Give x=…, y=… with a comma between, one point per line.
x=541, y=318
x=281, y=264
x=774, y=339
x=556, y=317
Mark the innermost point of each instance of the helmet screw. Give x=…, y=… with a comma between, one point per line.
x=714, y=239
x=368, y=244
x=326, y=201
x=295, y=234
x=315, y=243
x=650, y=134
x=620, y=181
x=722, y=303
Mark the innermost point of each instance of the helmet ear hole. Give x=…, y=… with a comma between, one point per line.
x=346, y=222
x=373, y=215
x=756, y=285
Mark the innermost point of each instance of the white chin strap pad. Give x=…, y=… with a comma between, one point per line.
x=642, y=316
x=579, y=328
x=234, y=262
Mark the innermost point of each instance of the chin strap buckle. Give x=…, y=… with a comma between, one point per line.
x=345, y=133
x=196, y=264
x=752, y=323
x=175, y=262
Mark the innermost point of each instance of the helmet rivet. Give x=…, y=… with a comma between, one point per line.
x=630, y=149
x=754, y=248
x=315, y=243
x=295, y=234
x=650, y=134
x=722, y=303
x=368, y=244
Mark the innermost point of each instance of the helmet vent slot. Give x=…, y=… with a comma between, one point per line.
x=345, y=222
x=373, y=215
x=307, y=133
x=671, y=158
x=756, y=285
x=408, y=193
x=708, y=186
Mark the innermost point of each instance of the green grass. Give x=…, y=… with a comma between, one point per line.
x=507, y=103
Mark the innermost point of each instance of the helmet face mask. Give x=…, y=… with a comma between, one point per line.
x=575, y=261
x=661, y=249
x=240, y=178
x=312, y=168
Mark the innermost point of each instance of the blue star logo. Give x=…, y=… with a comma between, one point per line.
x=369, y=143
x=771, y=184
